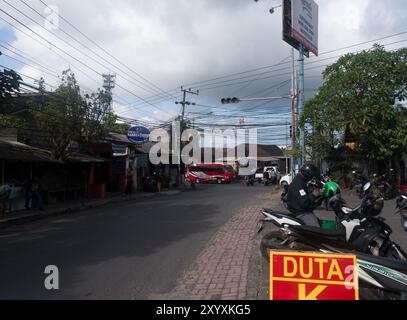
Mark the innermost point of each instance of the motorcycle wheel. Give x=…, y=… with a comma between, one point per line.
x=275, y=240
x=272, y=240
x=369, y=293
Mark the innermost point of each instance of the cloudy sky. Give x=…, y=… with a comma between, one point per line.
x=156, y=46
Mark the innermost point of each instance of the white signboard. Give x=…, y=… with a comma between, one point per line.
x=305, y=23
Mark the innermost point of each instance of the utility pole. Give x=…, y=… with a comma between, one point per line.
x=301, y=104
x=293, y=111
x=184, y=103
x=109, y=83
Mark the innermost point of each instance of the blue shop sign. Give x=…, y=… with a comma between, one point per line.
x=138, y=135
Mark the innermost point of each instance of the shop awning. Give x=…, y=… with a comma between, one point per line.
x=15, y=151
x=84, y=158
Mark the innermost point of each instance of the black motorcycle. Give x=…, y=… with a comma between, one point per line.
x=386, y=188
x=401, y=205
x=361, y=182
x=250, y=181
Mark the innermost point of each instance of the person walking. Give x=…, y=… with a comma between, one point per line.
x=32, y=192
x=130, y=182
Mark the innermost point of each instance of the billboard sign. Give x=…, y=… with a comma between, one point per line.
x=305, y=23
x=300, y=24
x=313, y=276
x=138, y=135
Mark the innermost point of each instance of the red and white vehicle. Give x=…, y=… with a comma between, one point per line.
x=208, y=173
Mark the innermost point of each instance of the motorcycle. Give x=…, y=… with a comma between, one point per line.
x=401, y=205
x=267, y=179
x=250, y=181
x=386, y=188
x=361, y=182
x=382, y=263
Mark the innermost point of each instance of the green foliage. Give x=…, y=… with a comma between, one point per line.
x=9, y=85
x=98, y=118
x=65, y=116
x=59, y=115
x=119, y=127
x=358, y=98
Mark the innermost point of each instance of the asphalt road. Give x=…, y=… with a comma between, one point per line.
x=120, y=251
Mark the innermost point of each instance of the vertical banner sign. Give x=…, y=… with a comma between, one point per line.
x=313, y=276
x=305, y=24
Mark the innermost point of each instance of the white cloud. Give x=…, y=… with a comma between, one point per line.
x=181, y=41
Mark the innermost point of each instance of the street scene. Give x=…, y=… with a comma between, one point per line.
x=237, y=151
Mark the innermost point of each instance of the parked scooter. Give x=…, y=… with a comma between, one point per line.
x=382, y=263
x=267, y=179
x=402, y=210
x=386, y=188
x=250, y=181
x=361, y=182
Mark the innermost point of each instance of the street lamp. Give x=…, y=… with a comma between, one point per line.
x=272, y=10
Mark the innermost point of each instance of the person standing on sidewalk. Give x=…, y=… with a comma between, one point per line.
x=32, y=192
x=130, y=182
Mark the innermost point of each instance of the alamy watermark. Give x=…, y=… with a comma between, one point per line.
x=51, y=281
x=185, y=147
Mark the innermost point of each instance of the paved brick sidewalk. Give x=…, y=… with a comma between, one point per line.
x=221, y=270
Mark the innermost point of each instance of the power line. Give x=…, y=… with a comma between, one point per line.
x=83, y=45
x=79, y=61
x=101, y=48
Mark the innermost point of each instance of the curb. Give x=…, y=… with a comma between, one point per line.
x=6, y=223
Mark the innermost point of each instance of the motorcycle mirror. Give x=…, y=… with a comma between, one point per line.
x=367, y=186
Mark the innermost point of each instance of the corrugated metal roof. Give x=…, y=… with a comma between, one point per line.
x=85, y=158
x=15, y=151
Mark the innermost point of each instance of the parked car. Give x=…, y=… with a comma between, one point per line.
x=286, y=180
x=259, y=175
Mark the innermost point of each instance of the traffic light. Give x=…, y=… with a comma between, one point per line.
x=291, y=131
x=230, y=100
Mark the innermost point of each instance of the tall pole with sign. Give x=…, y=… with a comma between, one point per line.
x=301, y=105
x=300, y=30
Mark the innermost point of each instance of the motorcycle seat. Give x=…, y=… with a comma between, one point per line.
x=332, y=234
x=282, y=215
x=386, y=262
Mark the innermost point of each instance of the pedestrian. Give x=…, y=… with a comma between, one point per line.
x=5, y=192
x=130, y=182
x=33, y=192
x=301, y=203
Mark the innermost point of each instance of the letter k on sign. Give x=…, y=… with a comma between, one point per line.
x=313, y=295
